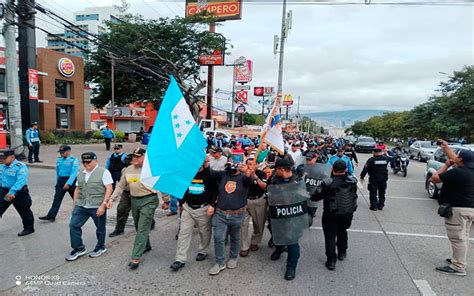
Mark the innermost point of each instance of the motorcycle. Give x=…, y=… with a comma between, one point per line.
x=401, y=164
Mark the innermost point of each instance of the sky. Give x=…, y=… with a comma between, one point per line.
x=337, y=57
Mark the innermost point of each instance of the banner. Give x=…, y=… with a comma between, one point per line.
x=33, y=83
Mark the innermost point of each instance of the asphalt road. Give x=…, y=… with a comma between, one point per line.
x=391, y=252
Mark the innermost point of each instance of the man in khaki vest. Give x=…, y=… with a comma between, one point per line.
x=91, y=197
x=144, y=203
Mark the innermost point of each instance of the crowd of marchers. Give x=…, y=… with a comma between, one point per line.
x=240, y=180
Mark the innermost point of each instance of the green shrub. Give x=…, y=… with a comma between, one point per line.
x=119, y=135
x=78, y=134
x=47, y=137
x=97, y=135
x=89, y=135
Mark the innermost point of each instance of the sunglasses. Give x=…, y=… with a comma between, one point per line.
x=86, y=161
x=117, y=148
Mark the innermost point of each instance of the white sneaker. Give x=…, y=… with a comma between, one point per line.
x=97, y=252
x=216, y=269
x=232, y=263
x=76, y=254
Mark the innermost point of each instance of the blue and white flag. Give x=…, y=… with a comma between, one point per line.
x=176, y=147
x=274, y=136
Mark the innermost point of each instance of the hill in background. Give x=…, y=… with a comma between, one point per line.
x=343, y=119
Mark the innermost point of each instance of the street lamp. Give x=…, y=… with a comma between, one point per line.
x=443, y=73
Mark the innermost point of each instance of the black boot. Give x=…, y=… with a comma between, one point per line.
x=331, y=264
x=290, y=274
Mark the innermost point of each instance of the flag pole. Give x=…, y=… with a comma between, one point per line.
x=268, y=123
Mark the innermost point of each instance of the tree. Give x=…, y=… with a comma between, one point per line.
x=254, y=119
x=146, y=52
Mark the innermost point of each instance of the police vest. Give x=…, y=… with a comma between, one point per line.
x=343, y=197
x=379, y=167
x=116, y=164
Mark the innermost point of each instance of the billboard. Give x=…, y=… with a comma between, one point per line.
x=216, y=58
x=242, y=96
x=243, y=73
x=223, y=10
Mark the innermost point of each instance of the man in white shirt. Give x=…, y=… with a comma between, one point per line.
x=216, y=160
x=295, y=153
x=91, y=197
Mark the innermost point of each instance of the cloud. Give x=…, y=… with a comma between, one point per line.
x=340, y=57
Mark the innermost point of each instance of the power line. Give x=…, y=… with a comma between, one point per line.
x=327, y=3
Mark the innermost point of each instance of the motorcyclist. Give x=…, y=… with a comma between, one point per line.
x=395, y=153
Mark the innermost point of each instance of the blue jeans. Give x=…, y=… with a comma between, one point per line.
x=293, y=255
x=79, y=217
x=173, y=204
x=221, y=225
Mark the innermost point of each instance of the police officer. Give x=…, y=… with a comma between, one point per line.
x=376, y=167
x=285, y=186
x=340, y=202
x=67, y=167
x=116, y=163
x=350, y=152
x=14, y=190
x=33, y=140
x=108, y=136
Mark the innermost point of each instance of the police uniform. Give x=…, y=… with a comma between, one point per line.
x=116, y=163
x=33, y=140
x=66, y=173
x=349, y=152
x=376, y=167
x=340, y=201
x=14, y=179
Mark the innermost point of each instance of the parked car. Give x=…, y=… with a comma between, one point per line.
x=365, y=144
x=438, y=159
x=422, y=150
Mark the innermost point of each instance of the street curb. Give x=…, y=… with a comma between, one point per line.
x=41, y=166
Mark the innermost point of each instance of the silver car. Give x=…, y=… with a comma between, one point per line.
x=438, y=159
x=422, y=150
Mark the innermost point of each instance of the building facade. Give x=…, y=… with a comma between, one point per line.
x=91, y=20
x=61, y=92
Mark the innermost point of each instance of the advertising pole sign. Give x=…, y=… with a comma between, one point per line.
x=242, y=96
x=222, y=10
x=33, y=83
x=243, y=73
x=216, y=58
x=287, y=100
x=241, y=109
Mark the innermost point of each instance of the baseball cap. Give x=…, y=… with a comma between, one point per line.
x=88, y=156
x=216, y=149
x=467, y=157
x=377, y=150
x=34, y=123
x=64, y=148
x=284, y=163
x=311, y=155
x=339, y=165
x=118, y=146
x=296, y=144
x=139, y=152
x=8, y=152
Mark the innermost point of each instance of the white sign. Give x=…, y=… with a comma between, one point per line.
x=269, y=91
x=242, y=87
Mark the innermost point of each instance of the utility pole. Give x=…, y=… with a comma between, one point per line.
x=210, y=81
x=14, y=108
x=27, y=60
x=112, y=69
x=285, y=27
x=233, y=96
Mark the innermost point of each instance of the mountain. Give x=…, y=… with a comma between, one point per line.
x=343, y=119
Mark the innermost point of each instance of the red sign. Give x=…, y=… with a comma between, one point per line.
x=33, y=83
x=66, y=67
x=258, y=91
x=222, y=10
x=242, y=96
x=215, y=59
x=244, y=73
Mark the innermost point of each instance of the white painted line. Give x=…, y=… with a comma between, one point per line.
x=393, y=233
x=409, y=198
x=359, y=185
x=424, y=287
x=407, y=181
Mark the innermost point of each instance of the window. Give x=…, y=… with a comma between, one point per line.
x=63, y=89
x=63, y=116
x=440, y=156
x=2, y=82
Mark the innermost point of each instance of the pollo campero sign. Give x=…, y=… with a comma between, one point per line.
x=221, y=9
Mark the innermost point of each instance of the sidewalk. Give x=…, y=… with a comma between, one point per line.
x=49, y=153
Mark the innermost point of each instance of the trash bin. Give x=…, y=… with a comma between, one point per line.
x=132, y=137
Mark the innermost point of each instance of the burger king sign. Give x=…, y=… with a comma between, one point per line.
x=66, y=67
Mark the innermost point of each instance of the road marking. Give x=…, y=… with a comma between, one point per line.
x=424, y=287
x=410, y=198
x=359, y=185
x=408, y=181
x=393, y=233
